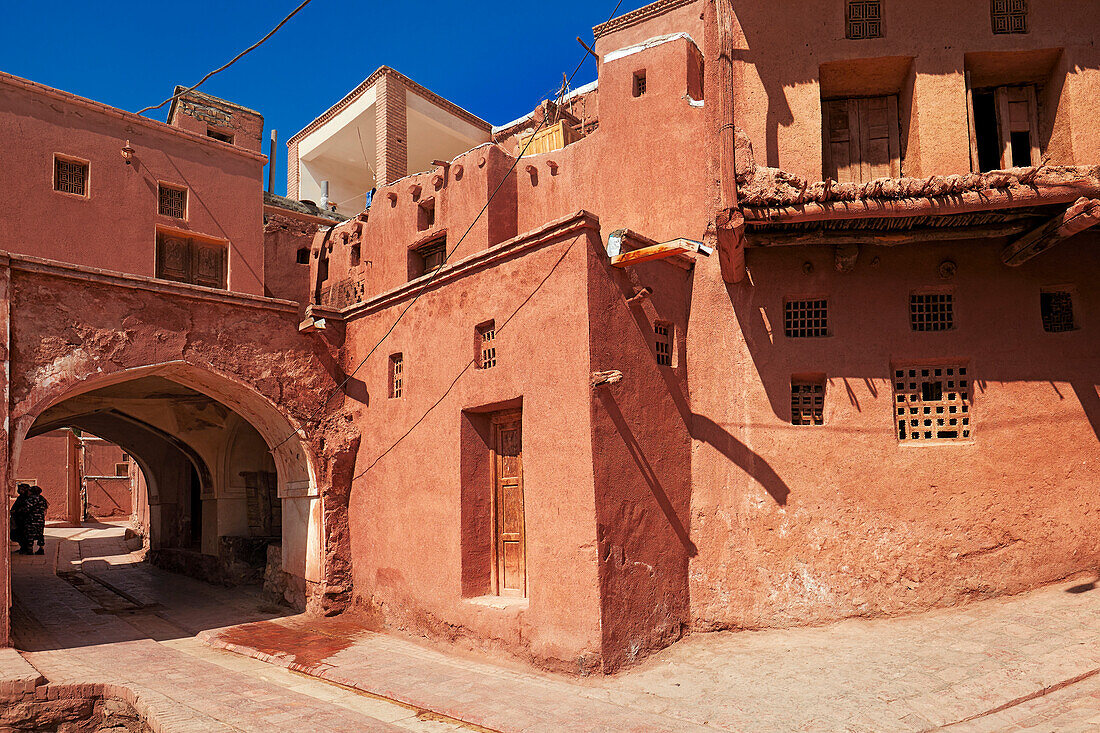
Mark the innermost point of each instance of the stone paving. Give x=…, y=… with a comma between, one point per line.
x=131, y=626
x=1028, y=663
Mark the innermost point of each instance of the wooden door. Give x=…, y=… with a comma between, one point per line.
x=510, y=546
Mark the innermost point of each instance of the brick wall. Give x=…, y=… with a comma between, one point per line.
x=292, y=176
x=391, y=130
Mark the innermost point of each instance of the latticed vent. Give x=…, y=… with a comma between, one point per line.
x=864, y=19
x=806, y=318
x=807, y=402
x=932, y=403
x=70, y=176
x=932, y=311
x=663, y=342
x=397, y=375
x=173, y=202
x=487, y=346
x=1009, y=16
x=1057, y=309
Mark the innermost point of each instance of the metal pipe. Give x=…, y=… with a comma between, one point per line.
x=324, y=194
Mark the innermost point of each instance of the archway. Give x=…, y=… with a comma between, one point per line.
x=226, y=472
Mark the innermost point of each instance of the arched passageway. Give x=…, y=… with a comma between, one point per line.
x=225, y=474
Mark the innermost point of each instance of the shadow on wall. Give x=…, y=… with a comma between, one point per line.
x=636, y=452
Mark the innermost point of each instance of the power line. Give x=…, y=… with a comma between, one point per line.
x=232, y=61
x=447, y=255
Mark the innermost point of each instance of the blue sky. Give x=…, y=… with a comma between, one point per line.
x=495, y=59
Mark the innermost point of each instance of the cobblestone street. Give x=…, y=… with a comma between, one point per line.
x=1027, y=663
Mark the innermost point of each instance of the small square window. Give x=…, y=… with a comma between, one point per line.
x=425, y=215
x=931, y=311
x=1057, y=311
x=397, y=375
x=173, y=201
x=808, y=401
x=427, y=258
x=1008, y=16
x=223, y=136
x=639, y=87
x=70, y=176
x=863, y=19
x=122, y=469
x=662, y=333
x=933, y=405
x=806, y=318
x=487, y=345
x=303, y=256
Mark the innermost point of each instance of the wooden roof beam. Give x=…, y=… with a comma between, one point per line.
x=1081, y=215
x=659, y=252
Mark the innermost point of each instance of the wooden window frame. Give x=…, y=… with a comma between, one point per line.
x=87, y=166
x=486, y=345
x=954, y=402
x=808, y=411
x=914, y=322
x=819, y=326
x=859, y=140
x=1071, y=293
x=163, y=186
x=1004, y=97
x=397, y=384
x=665, y=357
x=638, y=84
x=1007, y=12
x=862, y=28
x=187, y=272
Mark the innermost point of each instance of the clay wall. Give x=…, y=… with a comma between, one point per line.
x=641, y=446
x=203, y=114
x=45, y=462
x=419, y=513
x=284, y=276
x=114, y=226
x=108, y=491
x=804, y=524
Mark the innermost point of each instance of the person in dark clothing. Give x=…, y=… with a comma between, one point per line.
x=19, y=519
x=36, y=519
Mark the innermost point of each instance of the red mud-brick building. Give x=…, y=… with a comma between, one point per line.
x=773, y=324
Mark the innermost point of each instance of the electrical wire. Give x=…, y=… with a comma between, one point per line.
x=234, y=60
x=447, y=255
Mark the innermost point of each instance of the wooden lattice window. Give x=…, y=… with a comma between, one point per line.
x=427, y=258
x=70, y=176
x=172, y=201
x=863, y=19
x=397, y=375
x=931, y=311
x=1009, y=16
x=806, y=318
x=122, y=469
x=487, y=345
x=807, y=401
x=932, y=403
x=1057, y=311
x=639, y=85
x=662, y=335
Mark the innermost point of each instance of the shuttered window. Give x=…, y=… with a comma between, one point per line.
x=193, y=261
x=862, y=139
x=1004, y=125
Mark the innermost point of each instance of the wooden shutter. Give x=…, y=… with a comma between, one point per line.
x=862, y=139
x=208, y=264
x=511, y=545
x=173, y=258
x=1017, y=111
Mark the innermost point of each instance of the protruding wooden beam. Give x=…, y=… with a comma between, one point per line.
x=728, y=237
x=659, y=252
x=1081, y=215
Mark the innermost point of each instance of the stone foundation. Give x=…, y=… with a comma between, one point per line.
x=240, y=561
x=69, y=709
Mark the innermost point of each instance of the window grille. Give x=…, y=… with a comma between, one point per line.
x=1057, y=311
x=807, y=402
x=932, y=403
x=806, y=318
x=487, y=346
x=662, y=332
x=639, y=83
x=931, y=311
x=864, y=19
x=70, y=176
x=397, y=368
x=1009, y=16
x=173, y=201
